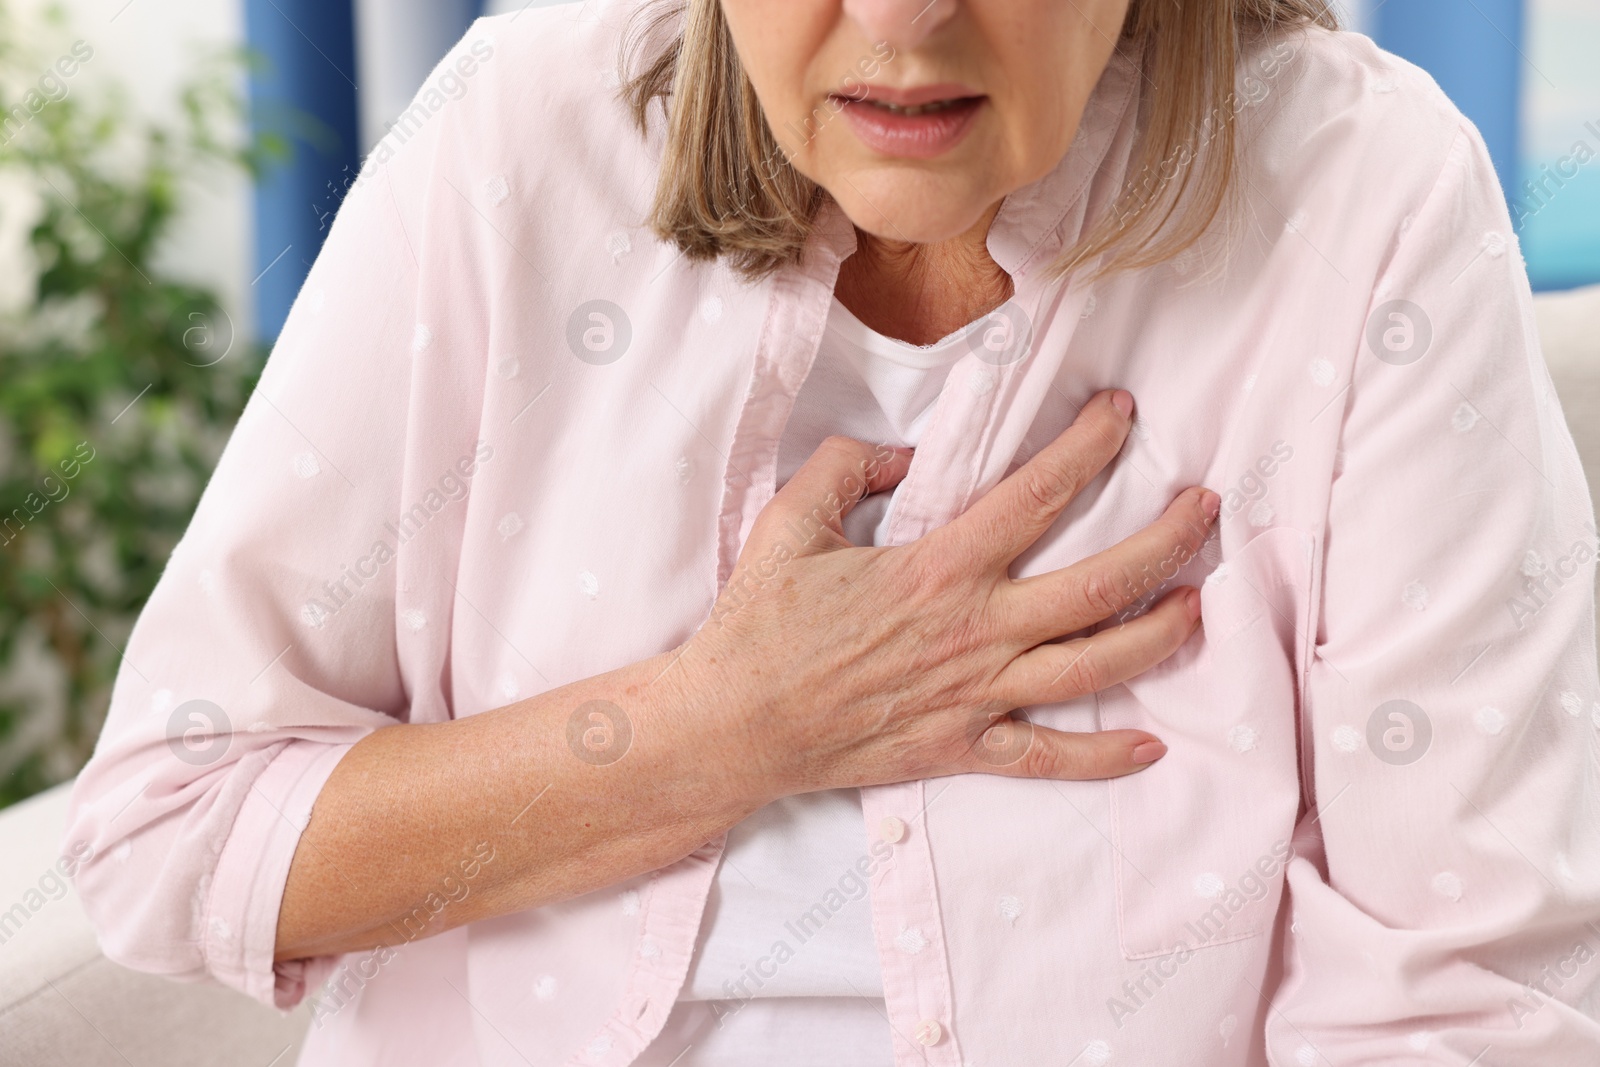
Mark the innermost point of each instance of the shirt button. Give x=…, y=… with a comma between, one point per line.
x=929, y=1032
x=892, y=830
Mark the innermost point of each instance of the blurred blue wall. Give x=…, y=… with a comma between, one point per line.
x=303, y=89
x=1473, y=49
x=306, y=89
x=1527, y=77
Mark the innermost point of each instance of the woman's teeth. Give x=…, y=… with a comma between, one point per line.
x=915, y=109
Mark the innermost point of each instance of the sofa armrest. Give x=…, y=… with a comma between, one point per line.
x=1569, y=334
x=63, y=1003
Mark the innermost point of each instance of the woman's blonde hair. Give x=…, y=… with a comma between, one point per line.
x=726, y=188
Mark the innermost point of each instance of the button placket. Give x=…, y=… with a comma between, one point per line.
x=908, y=930
x=967, y=446
x=665, y=943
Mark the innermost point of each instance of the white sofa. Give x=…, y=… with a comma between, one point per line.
x=63, y=1004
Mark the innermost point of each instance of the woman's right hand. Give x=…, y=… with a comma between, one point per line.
x=827, y=665
x=824, y=665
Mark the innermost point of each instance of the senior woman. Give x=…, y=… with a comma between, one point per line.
x=691, y=586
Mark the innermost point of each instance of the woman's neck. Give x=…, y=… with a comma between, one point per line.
x=920, y=293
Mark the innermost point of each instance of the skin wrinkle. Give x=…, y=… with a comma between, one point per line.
x=922, y=293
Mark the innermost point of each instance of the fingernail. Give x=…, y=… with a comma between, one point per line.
x=1211, y=504
x=1149, y=752
x=1122, y=400
x=1191, y=600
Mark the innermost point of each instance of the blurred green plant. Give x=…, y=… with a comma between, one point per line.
x=118, y=386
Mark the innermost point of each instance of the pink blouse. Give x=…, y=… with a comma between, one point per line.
x=508, y=440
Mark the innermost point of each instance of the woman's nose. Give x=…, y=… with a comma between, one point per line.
x=902, y=23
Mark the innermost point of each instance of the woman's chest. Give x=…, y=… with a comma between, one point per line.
x=604, y=530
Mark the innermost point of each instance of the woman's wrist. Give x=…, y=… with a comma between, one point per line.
x=688, y=733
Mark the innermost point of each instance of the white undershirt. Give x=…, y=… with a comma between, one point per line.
x=822, y=1004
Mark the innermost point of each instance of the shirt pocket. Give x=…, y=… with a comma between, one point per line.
x=1200, y=840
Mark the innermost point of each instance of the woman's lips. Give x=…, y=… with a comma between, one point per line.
x=923, y=131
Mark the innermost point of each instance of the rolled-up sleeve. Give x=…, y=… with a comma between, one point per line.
x=268, y=647
x=1445, y=895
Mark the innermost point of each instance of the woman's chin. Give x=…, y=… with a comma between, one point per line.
x=897, y=215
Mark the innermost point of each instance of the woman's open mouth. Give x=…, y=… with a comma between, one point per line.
x=913, y=125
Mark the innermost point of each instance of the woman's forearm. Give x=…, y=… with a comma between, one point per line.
x=425, y=827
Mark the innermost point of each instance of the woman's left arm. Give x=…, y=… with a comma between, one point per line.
x=1445, y=893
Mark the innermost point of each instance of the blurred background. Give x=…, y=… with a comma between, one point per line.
x=168, y=171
